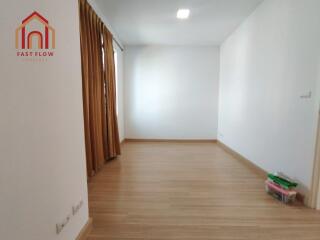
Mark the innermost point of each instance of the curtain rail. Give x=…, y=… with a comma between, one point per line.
x=119, y=45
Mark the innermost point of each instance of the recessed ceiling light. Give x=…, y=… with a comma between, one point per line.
x=183, y=13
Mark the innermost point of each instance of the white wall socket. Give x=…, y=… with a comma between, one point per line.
x=76, y=208
x=60, y=226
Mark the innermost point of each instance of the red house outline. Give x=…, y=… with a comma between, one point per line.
x=26, y=39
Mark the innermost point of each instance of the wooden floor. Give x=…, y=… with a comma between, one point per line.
x=186, y=191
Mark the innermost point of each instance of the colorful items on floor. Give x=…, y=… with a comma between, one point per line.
x=281, y=187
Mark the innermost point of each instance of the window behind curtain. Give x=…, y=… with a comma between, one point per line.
x=117, y=82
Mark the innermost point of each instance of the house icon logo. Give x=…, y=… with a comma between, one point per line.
x=34, y=37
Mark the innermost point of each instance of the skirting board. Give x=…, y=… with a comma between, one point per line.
x=244, y=160
x=259, y=171
x=172, y=140
x=83, y=235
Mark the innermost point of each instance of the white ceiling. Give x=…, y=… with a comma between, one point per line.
x=139, y=22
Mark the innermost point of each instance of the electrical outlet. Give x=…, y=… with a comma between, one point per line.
x=76, y=208
x=306, y=95
x=60, y=226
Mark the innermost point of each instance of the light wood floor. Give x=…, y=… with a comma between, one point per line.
x=186, y=191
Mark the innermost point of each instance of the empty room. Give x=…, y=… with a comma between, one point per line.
x=160, y=120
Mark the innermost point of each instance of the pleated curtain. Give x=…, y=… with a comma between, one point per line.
x=110, y=78
x=99, y=90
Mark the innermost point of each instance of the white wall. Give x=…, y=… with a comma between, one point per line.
x=266, y=65
x=42, y=155
x=171, y=92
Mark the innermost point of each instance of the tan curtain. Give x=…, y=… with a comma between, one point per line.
x=95, y=97
x=113, y=141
